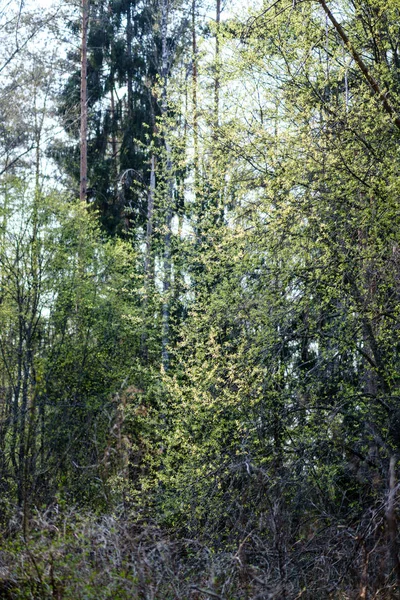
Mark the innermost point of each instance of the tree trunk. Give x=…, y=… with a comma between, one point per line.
x=148, y=261
x=194, y=102
x=149, y=229
x=165, y=338
x=129, y=37
x=114, y=145
x=84, y=106
x=217, y=81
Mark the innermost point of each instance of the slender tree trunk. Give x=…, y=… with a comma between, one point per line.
x=217, y=81
x=149, y=229
x=84, y=105
x=195, y=104
x=114, y=143
x=29, y=395
x=216, y=194
x=148, y=261
x=129, y=39
x=165, y=357
x=199, y=208
x=149, y=269
x=113, y=135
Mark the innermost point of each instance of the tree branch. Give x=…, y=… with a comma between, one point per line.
x=387, y=105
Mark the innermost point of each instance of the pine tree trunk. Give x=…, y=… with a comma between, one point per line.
x=165, y=338
x=148, y=261
x=114, y=145
x=84, y=107
x=129, y=37
x=149, y=229
x=217, y=81
x=195, y=103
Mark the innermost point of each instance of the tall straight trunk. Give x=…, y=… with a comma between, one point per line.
x=148, y=261
x=194, y=102
x=149, y=269
x=129, y=39
x=165, y=338
x=217, y=81
x=197, y=196
x=216, y=194
x=114, y=146
x=166, y=309
x=29, y=395
x=84, y=106
x=26, y=426
x=149, y=229
x=113, y=135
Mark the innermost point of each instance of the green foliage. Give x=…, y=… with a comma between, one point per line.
x=263, y=261
x=68, y=342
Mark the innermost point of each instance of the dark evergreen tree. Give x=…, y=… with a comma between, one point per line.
x=122, y=71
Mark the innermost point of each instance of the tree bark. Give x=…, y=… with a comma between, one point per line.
x=84, y=106
x=114, y=145
x=194, y=102
x=217, y=81
x=165, y=338
x=129, y=38
x=149, y=229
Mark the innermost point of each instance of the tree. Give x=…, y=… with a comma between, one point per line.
x=27, y=77
x=288, y=368
x=121, y=111
x=84, y=101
